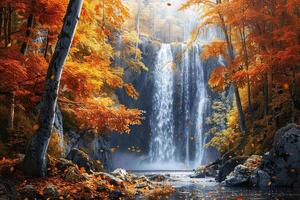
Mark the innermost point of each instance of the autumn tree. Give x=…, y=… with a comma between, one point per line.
x=214, y=15
x=35, y=162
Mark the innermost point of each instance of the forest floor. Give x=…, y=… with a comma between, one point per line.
x=66, y=180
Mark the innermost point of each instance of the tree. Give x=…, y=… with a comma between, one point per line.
x=214, y=15
x=35, y=159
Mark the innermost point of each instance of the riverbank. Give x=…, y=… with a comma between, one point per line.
x=208, y=189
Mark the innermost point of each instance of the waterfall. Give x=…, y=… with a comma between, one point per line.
x=178, y=105
x=201, y=97
x=162, y=146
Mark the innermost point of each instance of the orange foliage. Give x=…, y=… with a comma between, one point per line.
x=89, y=78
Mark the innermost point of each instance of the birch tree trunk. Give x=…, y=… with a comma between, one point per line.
x=35, y=163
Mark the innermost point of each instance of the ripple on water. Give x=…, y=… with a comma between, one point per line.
x=207, y=189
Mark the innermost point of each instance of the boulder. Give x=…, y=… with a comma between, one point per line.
x=73, y=174
x=157, y=177
x=283, y=161
x=50, y=192
x=242, y=174
x=279, y=167
x=229, y=166
x=96, y=146
x=120, y=173
x=81, y=159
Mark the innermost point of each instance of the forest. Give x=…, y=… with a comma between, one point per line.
x=150, y=99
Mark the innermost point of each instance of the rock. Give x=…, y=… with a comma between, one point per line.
x=261, y=179
x=50, y=191
x=283, y=161
x=110, y=178
x=30, y=192
x=229, y=166
x=198, y=174
x=73, y=174
x=116, y=194
x=157, y=178
x=96, y=146
x=63, y=164
x=141, y=185
x=120, y=173
x=242, y=174
x=279, y=167
x=81, y=159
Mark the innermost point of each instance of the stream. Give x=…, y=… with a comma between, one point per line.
x=207, y=188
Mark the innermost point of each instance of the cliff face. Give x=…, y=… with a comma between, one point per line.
x=144, y=83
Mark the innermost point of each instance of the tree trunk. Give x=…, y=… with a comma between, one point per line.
x=12, y=111
x=242, y=121
x=246, y=61
x=30, y=22
x=35, y=163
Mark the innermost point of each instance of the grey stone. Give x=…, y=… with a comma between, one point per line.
x=81, y=159
x=50, y=191
x=96, y=146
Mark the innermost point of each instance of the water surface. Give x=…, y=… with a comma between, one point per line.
x=208, y=189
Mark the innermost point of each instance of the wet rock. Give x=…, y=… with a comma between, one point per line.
x=198, y=174
x=242, y=174
x=283, y=161
x=81, y=159
x=120, y=173
x=229, y=166
x=50, y=192
x=279, y=167
x=29, y=192
x=157, y=178
x=261, y=179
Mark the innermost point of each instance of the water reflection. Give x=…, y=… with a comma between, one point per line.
x=207, y=189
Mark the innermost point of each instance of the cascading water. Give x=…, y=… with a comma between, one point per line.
x=177, y=108
x=201, y=97
x=162, y=146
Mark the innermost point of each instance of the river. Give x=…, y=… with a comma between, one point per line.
x=208, y=189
